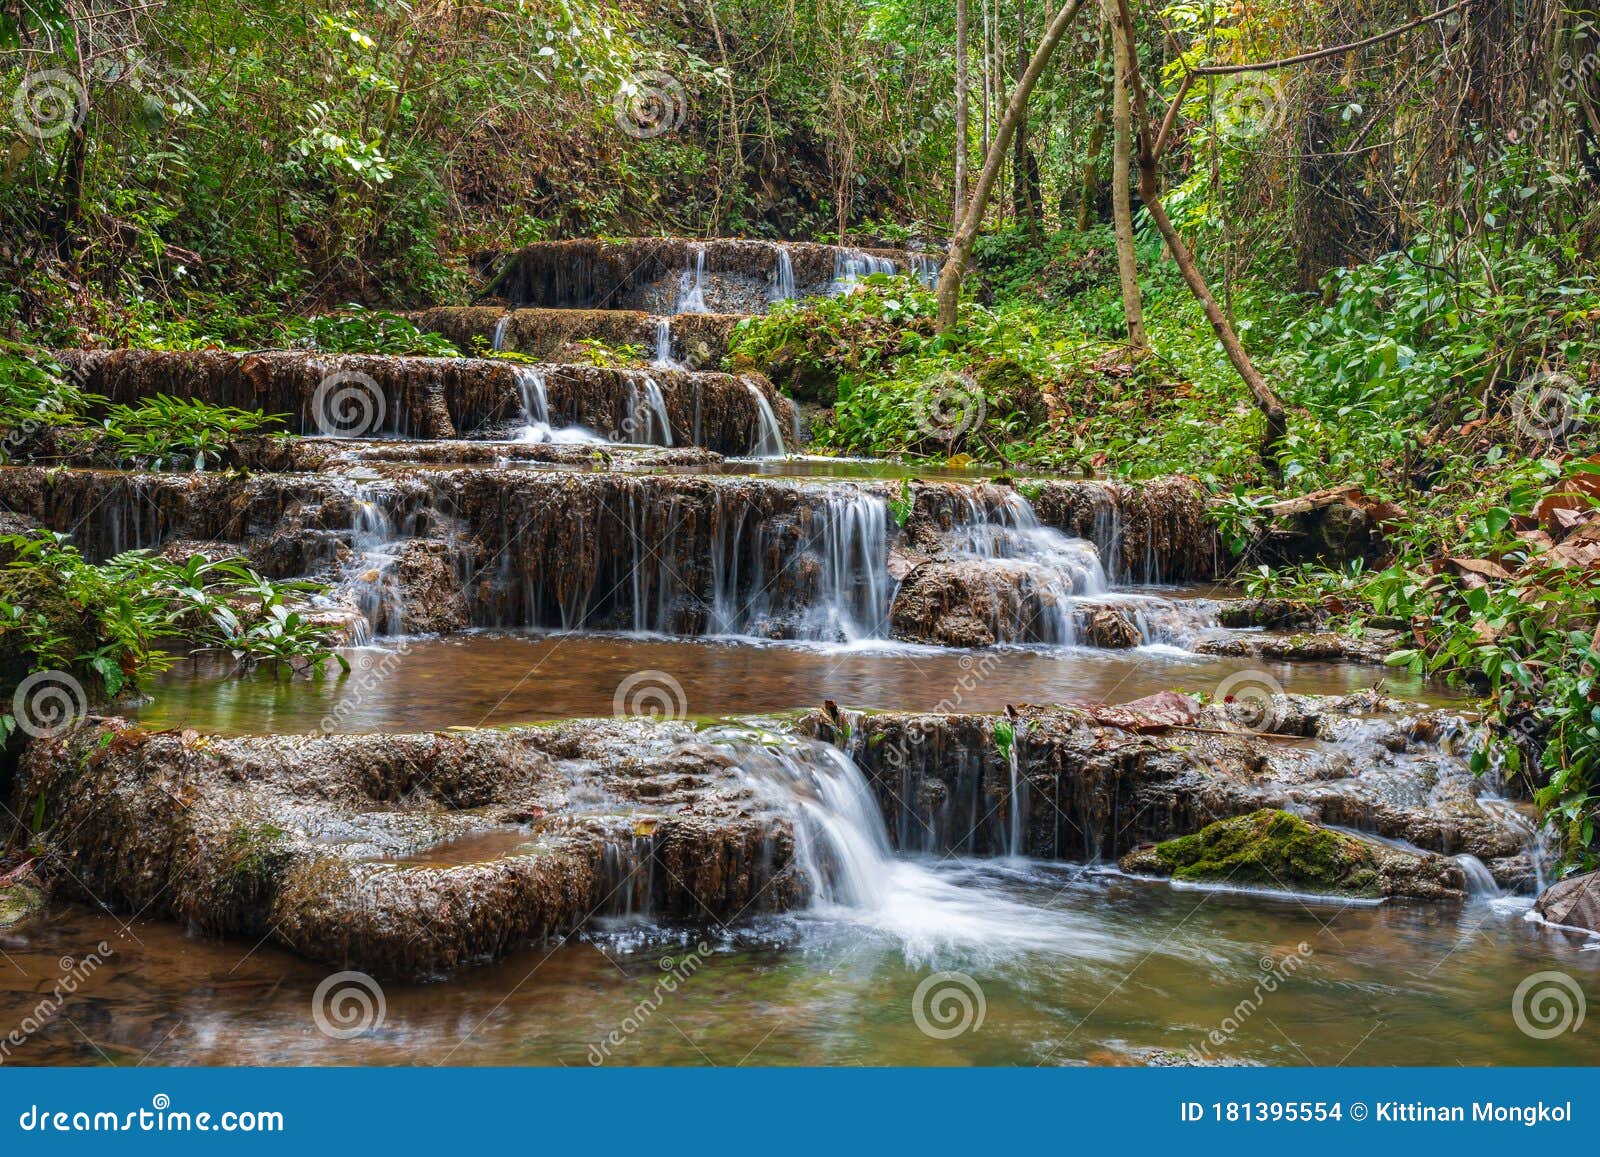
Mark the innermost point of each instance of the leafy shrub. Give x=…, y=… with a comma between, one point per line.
x=171, y=433
x=367, y=331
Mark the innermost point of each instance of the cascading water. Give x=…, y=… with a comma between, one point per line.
x=834, y=587
x=370, y=578
x=842, y=850
x=498, y=339
x=536, y=426
x=1047, y=583
x=647, y=423
x=783, y=277
x=925, y=267
x=663, y=355
x=851, y=265
x=692, y=284
x=769, y=435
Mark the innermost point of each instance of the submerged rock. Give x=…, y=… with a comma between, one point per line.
x=409, y=855
x=1276, y=849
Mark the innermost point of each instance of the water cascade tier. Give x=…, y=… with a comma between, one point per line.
x=362, y=395
x=420, y=855
x=675, y=275
x=697, y=338
x=660, y=552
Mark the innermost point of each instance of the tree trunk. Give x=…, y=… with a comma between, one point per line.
x=961, y=116
x=1121, y=195
x=1150, y=191
x=949, y=292
x=1089, y=191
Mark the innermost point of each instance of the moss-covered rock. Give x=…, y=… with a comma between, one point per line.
x=19, y=903
x=1275, y=849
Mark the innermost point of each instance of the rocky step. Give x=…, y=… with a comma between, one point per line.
x=655, y=274
x=367, y=395
x=1096, y=784
x=695, y=339
x=409, y=856
x=519, y=547
x=418, y=855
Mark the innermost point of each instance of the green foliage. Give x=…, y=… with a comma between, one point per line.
x=34, y=396
x=367, y=331
x=176, y=433
x=107, y=623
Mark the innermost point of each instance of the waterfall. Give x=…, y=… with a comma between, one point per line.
x=834, y=587
x=1480, y=881
x=841, y=844
x=692, y=285
x=658, y=411
x=498, y=341
x=783, y=277
x=647, y=423
x=851, y=265
x=1048, y=571
x=536, y=425
x=925, y=267
x=370, y=578
x=663, y=357
x=769, y=435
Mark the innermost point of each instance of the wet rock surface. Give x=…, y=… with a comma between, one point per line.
x=740, y=276
x=1095, y=791
x=409, y=855
x=1371, y=647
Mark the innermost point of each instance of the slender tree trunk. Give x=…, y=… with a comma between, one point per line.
x=949, y=291
x=1121, y=177
x=1089, y=190
x=961, y=116
x=1150, y=142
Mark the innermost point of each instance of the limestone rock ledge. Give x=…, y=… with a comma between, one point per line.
x=409, y=856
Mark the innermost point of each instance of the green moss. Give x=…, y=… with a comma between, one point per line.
x=18, y=902
x=1275, y=849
